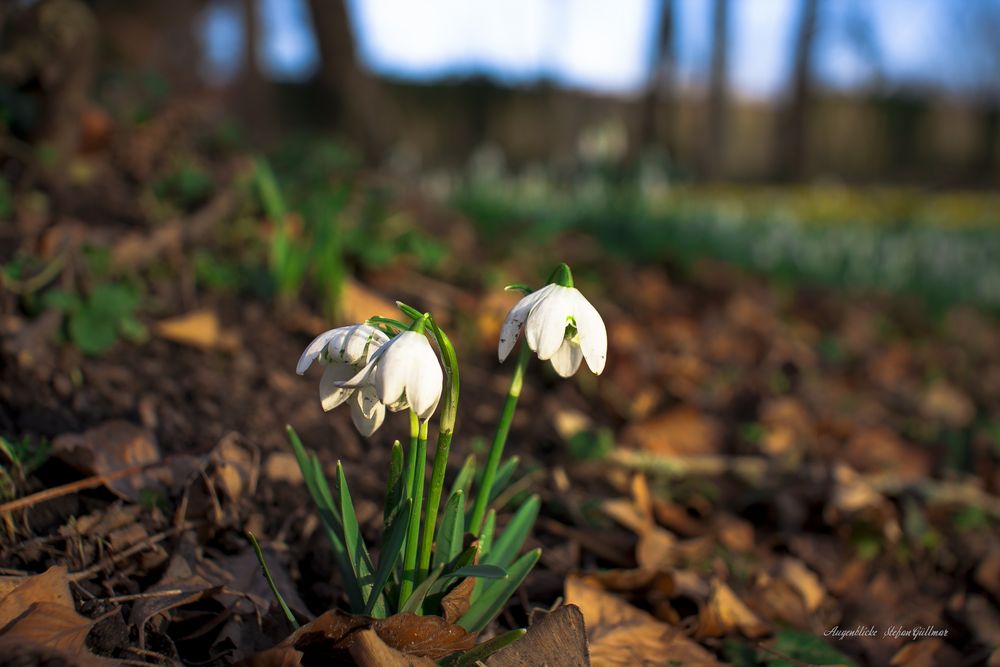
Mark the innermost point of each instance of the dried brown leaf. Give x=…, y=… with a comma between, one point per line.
x=458, y=600
x=52, y=586
x=56, y=628
x=427, y=636
x=620, y=634
x=556, y=638
x=109, y=447
x=369, y=650
x=725, y=613
x=199, y=328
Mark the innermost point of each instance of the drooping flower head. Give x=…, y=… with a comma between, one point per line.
x=560, y=326
x=344, y=351
x=405, y=372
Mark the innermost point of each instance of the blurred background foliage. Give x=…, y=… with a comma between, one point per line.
x=845, y=143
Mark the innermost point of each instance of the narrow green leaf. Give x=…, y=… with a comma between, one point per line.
x=509, y=543
x=394, y=487
x=465, y=476
x=354, y=544
x=481, y=571
x=496, y=593
x=479, y=653
x=504, y=475
x=416, y=599
x=319, y=491
x=449, y=538
x=270, y=580
x=392, y=543
x=486, y=534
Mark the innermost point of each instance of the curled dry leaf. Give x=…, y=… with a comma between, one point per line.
x=556, y=638
x=415, y=637
x=620, y=635
x=38, y=619
x=112, y=446
x=458, y=600
x=725, y=613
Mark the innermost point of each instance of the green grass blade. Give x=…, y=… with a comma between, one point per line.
x=392, y=549
x=416, y=599
x=509, y=543
x=504, y=475
x=448, y=544
x=465, y=476
x=354, y=544
x=482, y=651
x=496, y=593
x=270, y=580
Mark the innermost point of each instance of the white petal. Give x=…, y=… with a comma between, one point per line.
x=592, y=332
x=314, y=349
x=425, y=380
x=367, y=412
x=392, y=368
x=331, y=393
x=514, y=322
x=547, y=320
x=566, y=360
x=357, y=344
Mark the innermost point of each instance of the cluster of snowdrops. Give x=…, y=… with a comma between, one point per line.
x=387, y=365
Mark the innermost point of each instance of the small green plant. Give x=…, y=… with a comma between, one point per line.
x=18, y=459
x=95, y=321
x=428, y=550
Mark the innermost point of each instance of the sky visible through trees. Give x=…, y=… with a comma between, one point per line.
x=607, y=46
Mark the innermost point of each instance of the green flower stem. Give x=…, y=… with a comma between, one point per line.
x=411, y=458
x=413, y=531
x=500, y=439
x=446, y=427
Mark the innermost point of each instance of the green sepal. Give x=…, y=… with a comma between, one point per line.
x=561, y=276
x=496, y=593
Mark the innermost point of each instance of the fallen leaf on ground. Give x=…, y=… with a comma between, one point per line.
x=725, y=613
x=52, y=586
x=104, y=449
x=199, y=328
x=556, y=638
x=620, y=634
x=682, y=431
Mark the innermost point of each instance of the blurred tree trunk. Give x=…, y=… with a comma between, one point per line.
x=359, y=102
x=715, y=144
x=659, y=97
x=792, y=136
x=252, y=90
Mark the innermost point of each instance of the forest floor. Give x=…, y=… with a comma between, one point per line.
x=764, y=474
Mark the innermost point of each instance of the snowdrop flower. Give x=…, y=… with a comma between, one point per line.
x=404, y=372
x=345, y=350
x=560, y=325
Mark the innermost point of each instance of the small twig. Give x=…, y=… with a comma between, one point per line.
x=139, y=596
x=144, y=653
x=73, y=487
x=111, y=559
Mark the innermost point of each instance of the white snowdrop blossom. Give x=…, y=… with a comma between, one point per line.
x=345, y=351
x=560, y=326
x=404, y=372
